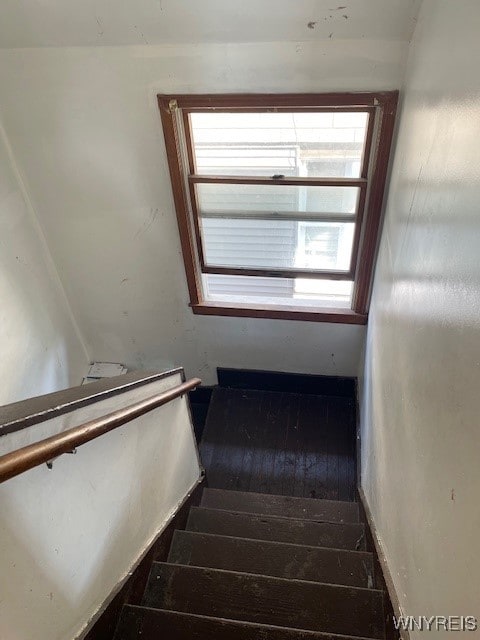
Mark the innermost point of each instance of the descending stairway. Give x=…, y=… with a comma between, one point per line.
x=253, y=566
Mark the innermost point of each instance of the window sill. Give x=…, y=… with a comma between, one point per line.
x=279, y=312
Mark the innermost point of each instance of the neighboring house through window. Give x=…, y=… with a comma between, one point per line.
x=279, y=199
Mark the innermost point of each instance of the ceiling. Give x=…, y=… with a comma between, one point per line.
x=62, y=23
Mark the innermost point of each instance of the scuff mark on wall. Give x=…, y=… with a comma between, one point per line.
x=153, y=215
x=101, y=30
x=142, y=35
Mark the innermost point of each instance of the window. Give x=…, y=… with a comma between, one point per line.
x=279, y=200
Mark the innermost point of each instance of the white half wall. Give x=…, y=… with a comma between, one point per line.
x=69, y=535
x=41, y=350
x=86, y=130
x=420, y=416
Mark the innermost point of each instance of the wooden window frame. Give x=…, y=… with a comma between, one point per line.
x=175, y=112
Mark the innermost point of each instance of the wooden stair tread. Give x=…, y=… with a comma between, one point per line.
x=260, y=527
x=274, y=505
x=270, y=558
x=156, y=624
x=266, y=600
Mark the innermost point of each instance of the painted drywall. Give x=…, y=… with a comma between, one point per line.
x=41, y=350
x=70, y=534
x=420, y=425
x=99, y=23
x=93, y=156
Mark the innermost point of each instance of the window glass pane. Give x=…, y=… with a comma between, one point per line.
x=240, y=198
x=294, y=144
x=277, y=243
x=280, y=291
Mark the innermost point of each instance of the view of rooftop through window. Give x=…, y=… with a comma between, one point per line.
x=280, y=225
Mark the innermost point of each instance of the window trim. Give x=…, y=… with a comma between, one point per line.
x=371, y=183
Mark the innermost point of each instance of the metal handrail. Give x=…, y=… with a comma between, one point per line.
x=16, y=462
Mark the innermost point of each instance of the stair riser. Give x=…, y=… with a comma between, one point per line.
x=293, y=604
x=154, y=624
x=319, y=534
x=286, y=506
x=350, y=568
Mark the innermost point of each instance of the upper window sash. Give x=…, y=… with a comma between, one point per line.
x=282, y=124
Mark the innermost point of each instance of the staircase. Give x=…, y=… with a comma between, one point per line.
x=254, y=566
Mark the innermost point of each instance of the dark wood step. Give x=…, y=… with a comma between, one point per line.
x=287, y=506
x=353, y=568
x=305, y=532
x=266, y=600
x=281, y=444
x=157, y=624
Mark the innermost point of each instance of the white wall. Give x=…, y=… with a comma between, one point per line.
x=86, y=130
x=99, y=23
x=41, y=350
x=420, y=416
x=69, y=534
